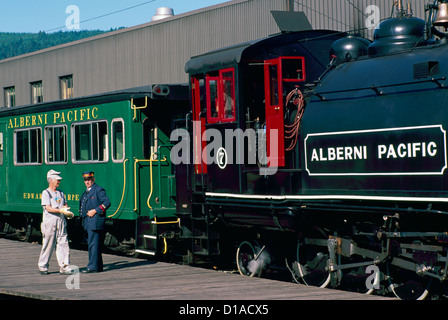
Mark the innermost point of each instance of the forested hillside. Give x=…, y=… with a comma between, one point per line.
x=14, y=44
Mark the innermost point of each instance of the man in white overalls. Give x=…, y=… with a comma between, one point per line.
x=54, y=226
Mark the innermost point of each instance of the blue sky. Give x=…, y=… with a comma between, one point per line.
x=50, y=15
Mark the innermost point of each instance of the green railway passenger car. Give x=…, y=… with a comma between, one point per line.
x=122, y=136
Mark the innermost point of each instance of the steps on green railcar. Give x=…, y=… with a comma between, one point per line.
x=153, y=234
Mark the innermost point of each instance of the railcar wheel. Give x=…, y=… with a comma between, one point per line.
x=245, y=259
x=312, y=259
x=406, y=284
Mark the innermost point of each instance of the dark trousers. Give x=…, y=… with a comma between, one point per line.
x=95, y=240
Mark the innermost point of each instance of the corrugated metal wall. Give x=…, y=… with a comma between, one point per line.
x=157, y=52
x=147, y=54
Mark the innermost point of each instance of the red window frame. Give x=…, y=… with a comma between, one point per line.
x=274, y=79
x=302, y=71
x=225, y=96
x=200, y=167
x=211, y=118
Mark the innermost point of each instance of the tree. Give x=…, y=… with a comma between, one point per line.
x=14, y=44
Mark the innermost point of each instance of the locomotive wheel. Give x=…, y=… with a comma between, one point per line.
x=355, y=279
x=245, y=259
x=407, y=285
x=312, y=258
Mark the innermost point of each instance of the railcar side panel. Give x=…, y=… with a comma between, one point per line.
x=70, y=141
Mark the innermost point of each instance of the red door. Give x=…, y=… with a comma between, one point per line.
x=274, y=113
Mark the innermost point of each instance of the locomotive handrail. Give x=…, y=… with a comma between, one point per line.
x=379, y=92
x=135, y=108
x=124, y=188
x=135, y=179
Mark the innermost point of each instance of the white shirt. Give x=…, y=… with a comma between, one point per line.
x=54, y=199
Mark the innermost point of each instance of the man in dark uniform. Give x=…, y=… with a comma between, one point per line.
x=92, y=208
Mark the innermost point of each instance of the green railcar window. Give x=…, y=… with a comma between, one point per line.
x=28, y=146
x=90, y=142
x=56, y=144
x=117, y=140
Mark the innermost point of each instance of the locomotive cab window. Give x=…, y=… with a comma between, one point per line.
x=293, y=69
x=27, y=146
x=220, y=88
x=212, y=99
x=90, y=142
x=56, y=144
x=273, y=84
x=228, y=89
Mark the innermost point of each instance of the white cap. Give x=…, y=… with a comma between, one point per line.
x=52, y=174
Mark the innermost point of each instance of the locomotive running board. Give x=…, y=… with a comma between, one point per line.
x=148, y=252
x=324, y=197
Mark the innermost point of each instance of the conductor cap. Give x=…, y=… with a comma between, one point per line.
x=87, y=175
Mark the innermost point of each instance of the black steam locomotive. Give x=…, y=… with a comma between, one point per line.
x=338, y=169
x=316, y=150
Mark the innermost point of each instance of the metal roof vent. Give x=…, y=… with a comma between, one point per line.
x=162, y=13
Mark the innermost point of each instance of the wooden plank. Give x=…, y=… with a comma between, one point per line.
x=137, y=279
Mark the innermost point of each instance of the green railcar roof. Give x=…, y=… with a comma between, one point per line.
x=177, y=92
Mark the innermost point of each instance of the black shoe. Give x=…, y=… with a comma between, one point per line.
x=88, y=271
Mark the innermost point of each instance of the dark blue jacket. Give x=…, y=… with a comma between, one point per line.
x=98, y=200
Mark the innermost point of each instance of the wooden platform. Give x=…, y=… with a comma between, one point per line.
x=135, y=279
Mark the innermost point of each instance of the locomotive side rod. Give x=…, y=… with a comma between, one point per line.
x=347, y=248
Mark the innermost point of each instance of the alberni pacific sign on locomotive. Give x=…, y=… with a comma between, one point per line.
x=393, y=151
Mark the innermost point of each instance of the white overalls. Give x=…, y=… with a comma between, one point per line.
x=54, y=232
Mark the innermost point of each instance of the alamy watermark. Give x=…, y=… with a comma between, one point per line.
x=373, y=281
x=73, y=20
x=373, y=17
x=73, y=281
x=237, y=146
